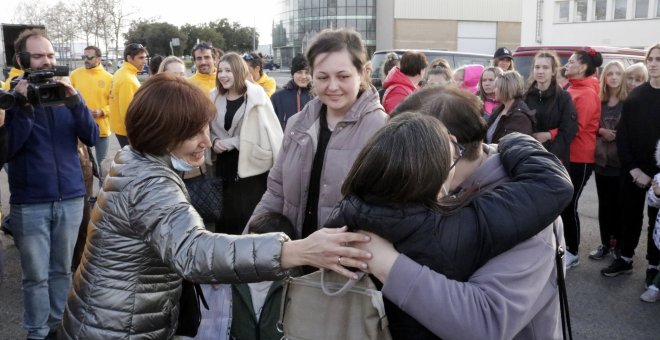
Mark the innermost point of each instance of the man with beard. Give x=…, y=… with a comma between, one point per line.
x=204, y=57
x=46, y=185
x=94, y=83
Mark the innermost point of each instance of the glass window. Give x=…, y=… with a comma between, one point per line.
x=561, y=14
x=580, y=10
x=641, y=8
x=362, y=25
x=371, y=25
x=620, y=9
x=362, y=3
x=600, y=9
x=370, y=3
x=341, y=11
x=352, y=3
x=657, y=9
x=341, y=3
x=351, y=10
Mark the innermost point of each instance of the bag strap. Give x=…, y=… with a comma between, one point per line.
x=561, y=283
x=343, y=290
x=285, y=289
x=200, y=295
x=201, y=173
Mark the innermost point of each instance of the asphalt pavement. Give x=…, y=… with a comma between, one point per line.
x=600, y=307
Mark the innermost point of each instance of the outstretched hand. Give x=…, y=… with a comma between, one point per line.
x=328, y=248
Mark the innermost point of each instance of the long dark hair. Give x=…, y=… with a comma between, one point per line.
x=405, y=162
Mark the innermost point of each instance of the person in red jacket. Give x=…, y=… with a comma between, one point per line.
x=584, y=88
x=403, y=80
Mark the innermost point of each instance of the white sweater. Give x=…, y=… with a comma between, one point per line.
x=255, y=131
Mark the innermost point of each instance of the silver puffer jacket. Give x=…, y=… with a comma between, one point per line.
x=143, y=238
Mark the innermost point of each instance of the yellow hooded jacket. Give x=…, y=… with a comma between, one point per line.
x=205, y=81
x=94, y=86
x=13, y=73
x=267, y=83
x=124, y=85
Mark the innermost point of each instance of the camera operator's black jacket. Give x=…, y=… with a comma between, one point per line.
x=43, y=150
x=459, y=243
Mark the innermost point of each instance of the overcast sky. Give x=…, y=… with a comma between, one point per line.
x=249, y=13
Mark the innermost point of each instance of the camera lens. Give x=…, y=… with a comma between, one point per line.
x=7, y=100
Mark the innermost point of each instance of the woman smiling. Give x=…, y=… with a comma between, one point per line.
x=322, y=141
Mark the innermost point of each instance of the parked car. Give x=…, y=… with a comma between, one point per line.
x=145, y=70
x=271, y=65
x=524, y=55
x=455, y=59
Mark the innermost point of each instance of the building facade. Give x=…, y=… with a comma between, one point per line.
x=478, y=26
x=618, y=23
x=298, y=21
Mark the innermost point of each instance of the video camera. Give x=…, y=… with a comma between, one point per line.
x=42, y=89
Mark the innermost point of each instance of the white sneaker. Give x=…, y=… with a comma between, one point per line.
x=570, y=260
x=651, y=294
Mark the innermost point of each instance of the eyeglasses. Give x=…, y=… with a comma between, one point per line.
x=459, y=150
x=88, y=56
x=248, y=57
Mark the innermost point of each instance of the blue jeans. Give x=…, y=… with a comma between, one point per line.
x=101, y=150
x=45, y=235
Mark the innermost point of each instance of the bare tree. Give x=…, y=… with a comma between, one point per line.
x=30, y=12
x=86, y=20
x=56, y=26
x=118, y=20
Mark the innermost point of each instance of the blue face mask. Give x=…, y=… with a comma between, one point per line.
x=180, y=164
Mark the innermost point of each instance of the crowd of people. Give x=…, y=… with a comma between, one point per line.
x=450, y=186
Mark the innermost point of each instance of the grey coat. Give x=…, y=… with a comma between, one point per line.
x=288, y=181
x=143, y=238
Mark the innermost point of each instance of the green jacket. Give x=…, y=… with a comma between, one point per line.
x=244, y=325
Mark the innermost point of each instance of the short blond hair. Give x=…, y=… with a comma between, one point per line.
x=510, y=85
x=638, y=68
x=169, y=60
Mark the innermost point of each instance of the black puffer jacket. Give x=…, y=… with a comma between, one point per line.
x=555, y=113
x=493, y=222
x=290, y=100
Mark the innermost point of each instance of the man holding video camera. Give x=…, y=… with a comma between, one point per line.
x=45, y=179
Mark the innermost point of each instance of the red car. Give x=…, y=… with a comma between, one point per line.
x=524, y=55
